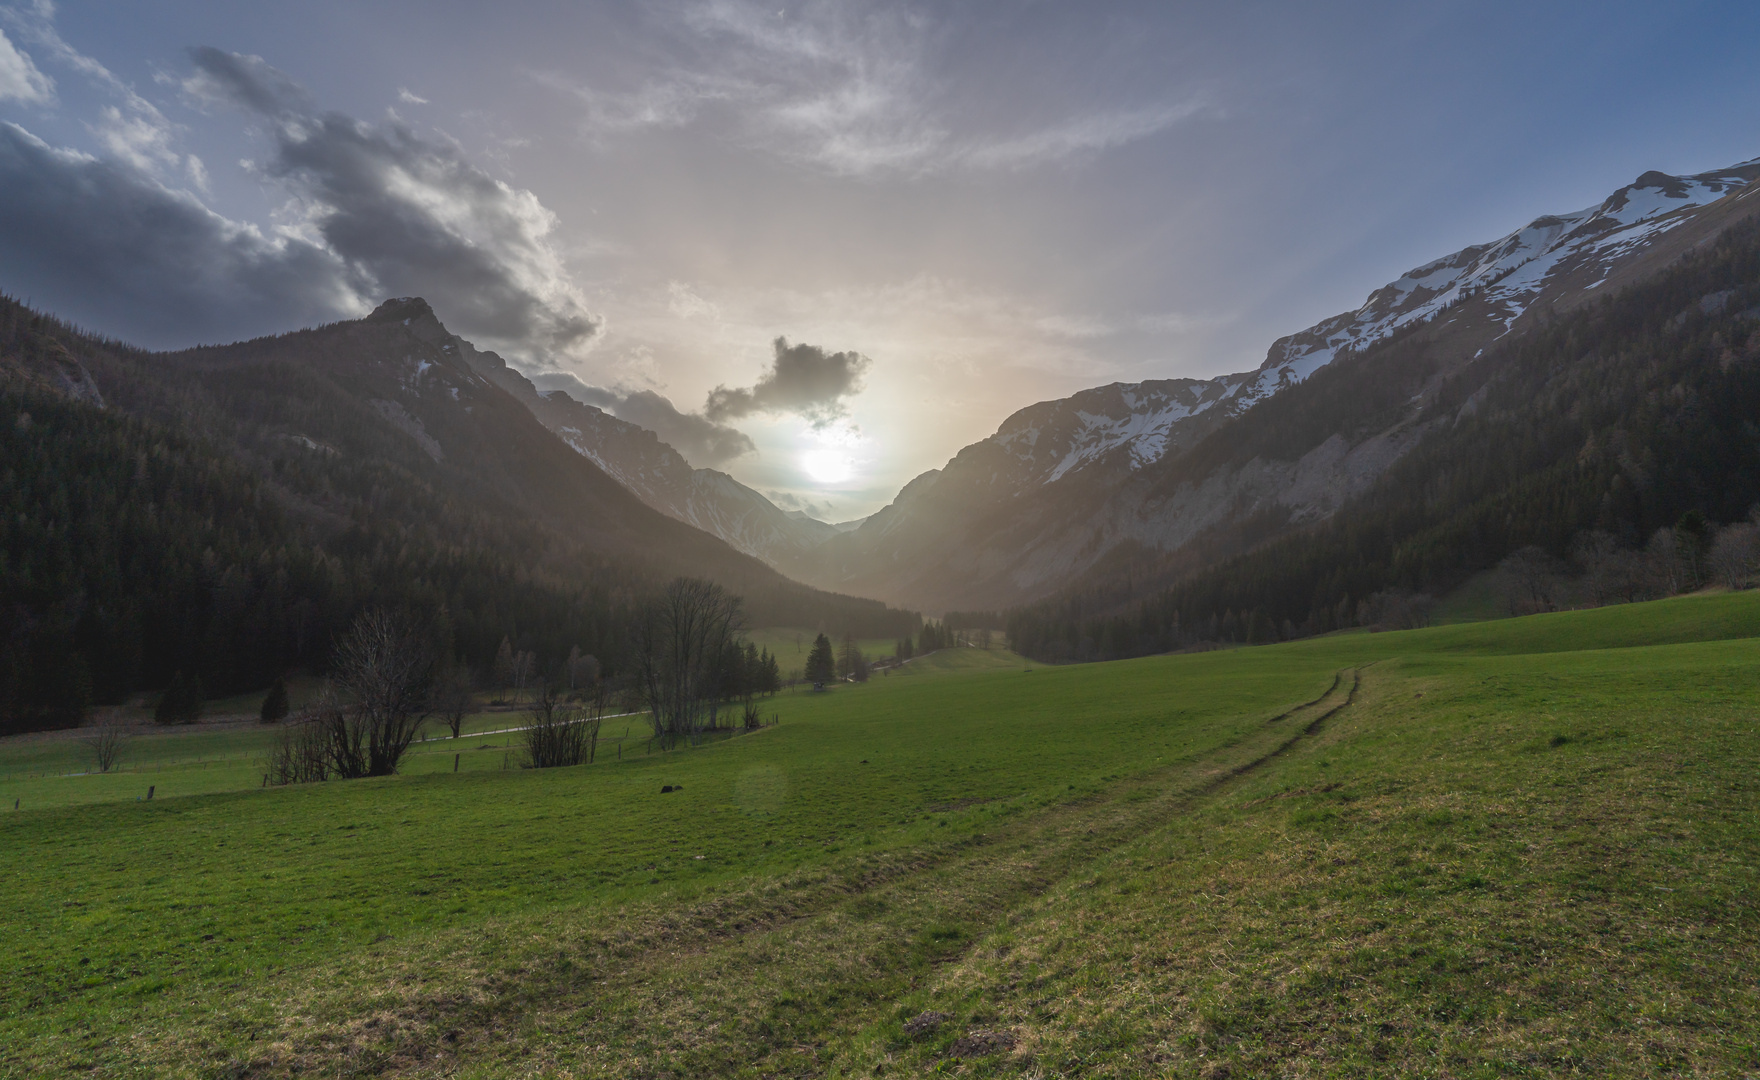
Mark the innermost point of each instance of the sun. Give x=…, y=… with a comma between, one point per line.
x=827, y=465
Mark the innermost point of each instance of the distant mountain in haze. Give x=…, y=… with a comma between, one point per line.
x=635, y=457
x=1065, y=486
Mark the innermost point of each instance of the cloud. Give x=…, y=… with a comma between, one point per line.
x=375, y=210
x=845, y=88
x=134, y=130
x=140, y=139
x=411, y=215
x=19, y=78
x=804, y=380
x=104, y=239
x=703, y=442
x=408, y=98
x=1080, y=136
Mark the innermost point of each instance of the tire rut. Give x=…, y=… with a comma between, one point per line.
x=663, y=985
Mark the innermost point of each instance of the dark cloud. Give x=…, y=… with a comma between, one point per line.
x=411, y=215
x=249, y=81
x=386, y=212
x=703, y=442
x=103, y=243
x=803, y=379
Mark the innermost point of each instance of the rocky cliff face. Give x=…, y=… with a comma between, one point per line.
x=1064, y=484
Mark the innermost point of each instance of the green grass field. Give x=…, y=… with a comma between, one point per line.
x=1514, y=848
x=790, y=645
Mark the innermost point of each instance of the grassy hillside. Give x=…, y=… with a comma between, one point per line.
x=1515, y=848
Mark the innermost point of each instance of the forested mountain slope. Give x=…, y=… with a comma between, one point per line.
x=1623, y=416
x=225, y=510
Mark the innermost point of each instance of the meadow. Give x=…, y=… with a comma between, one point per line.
x=1523, y=848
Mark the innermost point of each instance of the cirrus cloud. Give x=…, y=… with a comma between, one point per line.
x=848, y=89
x=19, y=78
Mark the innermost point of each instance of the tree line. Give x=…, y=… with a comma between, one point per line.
x=689, y=671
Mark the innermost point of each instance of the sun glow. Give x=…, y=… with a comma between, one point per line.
x=828, y=464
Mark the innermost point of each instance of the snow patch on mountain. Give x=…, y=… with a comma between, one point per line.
x=1508, y=275
x=1052, y=440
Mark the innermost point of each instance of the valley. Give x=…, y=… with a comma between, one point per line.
x=1519, y=845
x=877, y=540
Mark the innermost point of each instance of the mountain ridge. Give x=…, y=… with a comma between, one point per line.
x=652, y=470
x=1063, y=483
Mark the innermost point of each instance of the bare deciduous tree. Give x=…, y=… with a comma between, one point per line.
x=1396, y=609
x=1595, y=551
x=1733, y=554
x=1664, y=562
x=301, y=752
x=451, y=697
x=559, y=734
x=385, y=666
x=525, y=665
x=1532, y=581
x=677, y=642
x=583, y=672
x=108, y=739
x=501, y=672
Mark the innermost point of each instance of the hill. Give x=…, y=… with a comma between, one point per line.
x=224, y=511
x=1524, y=846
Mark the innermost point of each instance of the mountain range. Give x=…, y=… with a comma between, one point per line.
x=223, y=510
x=1062, y=486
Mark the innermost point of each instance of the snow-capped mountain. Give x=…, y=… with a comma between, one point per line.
x=1551, y=257
x=1063, y=483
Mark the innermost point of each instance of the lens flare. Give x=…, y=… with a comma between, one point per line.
x=827, y=465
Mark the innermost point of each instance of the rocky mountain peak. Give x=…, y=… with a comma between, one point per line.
x=402, y=309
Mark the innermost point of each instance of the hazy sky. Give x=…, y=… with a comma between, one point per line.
x=949, y=211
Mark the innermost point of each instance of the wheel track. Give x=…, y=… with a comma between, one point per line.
x=726, y=944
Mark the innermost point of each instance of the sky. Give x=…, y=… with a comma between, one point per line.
x=822, y=246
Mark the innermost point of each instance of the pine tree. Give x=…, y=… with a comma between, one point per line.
x=170, y=707
x=821, y=664
x=275, y=705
